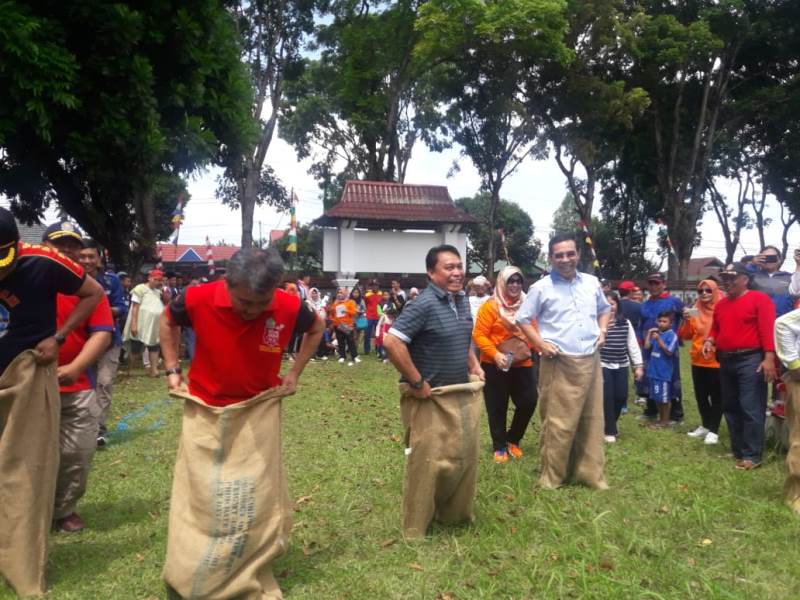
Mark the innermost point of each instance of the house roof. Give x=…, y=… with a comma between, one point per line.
x=703, y=266
x=194, y=252
x=31, y=234
x=277, y=234
x=387, y=203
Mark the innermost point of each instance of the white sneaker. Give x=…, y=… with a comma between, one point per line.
x=700, y=432
x=609, y=439
x=640, y=401
x=341, y=361
x=350, y=364
x=357, y=359
x=324, y=358
x=385, y=360
x=711, y=438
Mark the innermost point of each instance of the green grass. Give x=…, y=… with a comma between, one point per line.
x=679, y=521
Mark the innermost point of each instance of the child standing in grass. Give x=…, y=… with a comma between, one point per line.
x=384, y=325
x=661, y=341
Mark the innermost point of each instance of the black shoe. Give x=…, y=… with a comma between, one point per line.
x=102, y=440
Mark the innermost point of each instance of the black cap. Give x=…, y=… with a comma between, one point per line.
x=9, y=237
x=656, y=277
x=60, y=230
x=736, y=268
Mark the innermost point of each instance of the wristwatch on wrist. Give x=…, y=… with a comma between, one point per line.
x=60, y=338
x=417, y=385
x=175, y=371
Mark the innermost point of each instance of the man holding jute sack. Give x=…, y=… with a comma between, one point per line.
x=440, y=399
x=230, y=513
x=31, y=277
x=572, y=316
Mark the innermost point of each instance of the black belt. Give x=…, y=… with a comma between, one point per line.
x=738, y=353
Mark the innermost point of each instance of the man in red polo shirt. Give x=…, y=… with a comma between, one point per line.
x=242, y=325
x=742, y=334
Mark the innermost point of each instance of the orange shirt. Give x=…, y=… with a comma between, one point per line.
x=342, y=312
x=688, y=331
x=489, y=331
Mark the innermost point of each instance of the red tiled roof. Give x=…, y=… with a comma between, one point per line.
x=277, y=234
x=702, y=266
x=172, y=253
x=386, y=201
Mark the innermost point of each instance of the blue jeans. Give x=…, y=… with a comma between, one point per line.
x=744, y=404
x=369, y=332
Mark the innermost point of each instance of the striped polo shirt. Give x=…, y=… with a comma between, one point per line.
x=437, y=327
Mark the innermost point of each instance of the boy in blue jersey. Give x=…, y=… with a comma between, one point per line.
x=661, y=341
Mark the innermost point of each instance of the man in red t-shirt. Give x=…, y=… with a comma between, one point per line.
x=742, y=334
x=80, y=351
x=372, y=299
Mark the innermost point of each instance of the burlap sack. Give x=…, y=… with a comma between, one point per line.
x=230, y=513
x=29, y=413
x=571, y=412
x=441, y=443
x=791, y=488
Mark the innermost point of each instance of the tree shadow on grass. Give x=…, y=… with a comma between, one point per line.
x=103, y=517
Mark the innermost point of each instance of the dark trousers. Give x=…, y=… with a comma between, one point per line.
x=347, y=342
x=709, y=396
x=369, y=332
x=615, y=396
x=518, y=383
x=676, y=407
x=744, y=404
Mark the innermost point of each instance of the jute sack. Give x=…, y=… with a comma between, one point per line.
x=230, y=513
x=29, y=417
x=441, y=443
x=791, y=488
x=571, y=412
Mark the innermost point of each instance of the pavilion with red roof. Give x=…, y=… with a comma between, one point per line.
x=385, y=227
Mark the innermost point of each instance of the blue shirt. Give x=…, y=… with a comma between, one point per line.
x=566, y=311
x=652, y=307
x=660, y=365
x=116, y=298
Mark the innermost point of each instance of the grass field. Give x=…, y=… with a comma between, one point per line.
x=679, y=521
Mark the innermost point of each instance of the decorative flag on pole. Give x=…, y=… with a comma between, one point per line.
x=210, y=258
x=670, y=249
x=292, y=246
x=177, y=218
x=587, y=237
x=160, y=264
x=502, y=234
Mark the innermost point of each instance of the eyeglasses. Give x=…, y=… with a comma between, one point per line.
x=569, y=254
x=515, y=281
x=705, y=291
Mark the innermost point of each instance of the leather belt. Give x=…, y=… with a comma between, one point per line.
x=741, y=353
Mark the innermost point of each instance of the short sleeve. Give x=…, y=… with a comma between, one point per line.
x=178, y=313
x=671, y=342
x=411, y=321
x=531, y=306
x=66, y=275
x=101, y=318
x=602, y=304
x=137, y=294
x=305, y=319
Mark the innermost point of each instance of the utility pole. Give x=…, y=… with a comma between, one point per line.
x=260, y=237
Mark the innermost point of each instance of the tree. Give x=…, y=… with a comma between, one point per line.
x=360, y=107
x=105, y=106
x=487, y=51
x=685, y=56
x=271, y=34
x=523, y=248
x=308, y=258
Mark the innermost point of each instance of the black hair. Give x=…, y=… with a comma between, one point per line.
x=770, y=247
x=92, y=243
x=561, y=237
x=668, y=314
x=619, y=317
x=433, y=255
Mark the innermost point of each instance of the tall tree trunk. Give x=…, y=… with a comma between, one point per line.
x=491, y=257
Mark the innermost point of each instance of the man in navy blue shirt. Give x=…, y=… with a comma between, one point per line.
x=660, y=301
x=92, y=262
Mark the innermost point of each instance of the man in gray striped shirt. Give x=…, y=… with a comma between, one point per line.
x=429, y=341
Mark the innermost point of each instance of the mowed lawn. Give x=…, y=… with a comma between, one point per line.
x=679, y=521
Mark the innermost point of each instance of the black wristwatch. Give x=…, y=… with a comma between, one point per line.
x=175, y=371
x=418, y=385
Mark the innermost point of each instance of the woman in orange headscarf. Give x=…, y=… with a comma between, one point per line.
x=506, y=361
x=705, y=371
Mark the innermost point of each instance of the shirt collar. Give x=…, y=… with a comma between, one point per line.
x=556, y=277
x=442, y=294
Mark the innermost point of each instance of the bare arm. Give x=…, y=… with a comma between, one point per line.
x=308, y=348
x=398, y=354
x=134, y=329
x=92, y=350
x=170, y=337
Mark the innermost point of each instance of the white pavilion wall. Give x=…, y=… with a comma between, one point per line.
x=365, y=251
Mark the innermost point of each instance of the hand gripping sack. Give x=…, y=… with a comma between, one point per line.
x=442, y=442
x=230, y=513
x=29, y=416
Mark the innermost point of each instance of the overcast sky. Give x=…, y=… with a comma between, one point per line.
x=538, y=187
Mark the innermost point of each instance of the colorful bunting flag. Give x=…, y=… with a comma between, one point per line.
x=210, y=258
x=292, y=246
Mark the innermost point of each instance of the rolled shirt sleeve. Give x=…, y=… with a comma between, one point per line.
x=530, y=306
x=787, y=339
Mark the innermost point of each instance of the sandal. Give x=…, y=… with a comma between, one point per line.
x=746, y=465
